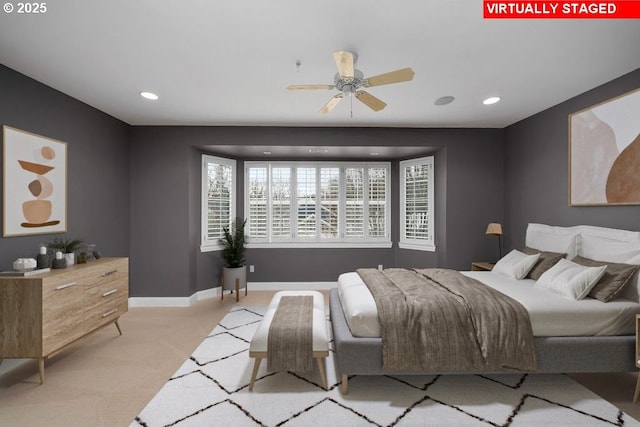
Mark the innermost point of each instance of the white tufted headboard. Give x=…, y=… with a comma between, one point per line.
x=597, y=243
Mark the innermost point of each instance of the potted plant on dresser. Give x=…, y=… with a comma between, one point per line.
x=233, y=253
x=67, y=247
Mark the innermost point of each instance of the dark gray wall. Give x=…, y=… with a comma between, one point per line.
x=165, y=204
x=537, y=171
x=97, y=164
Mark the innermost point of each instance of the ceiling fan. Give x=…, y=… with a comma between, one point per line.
x=350, y=81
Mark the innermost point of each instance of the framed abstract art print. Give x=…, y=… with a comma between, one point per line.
x=34, y=184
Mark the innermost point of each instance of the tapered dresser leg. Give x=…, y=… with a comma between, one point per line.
x=41, y=369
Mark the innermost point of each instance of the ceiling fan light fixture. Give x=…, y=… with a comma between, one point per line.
x=350, y=81
x=491, y=100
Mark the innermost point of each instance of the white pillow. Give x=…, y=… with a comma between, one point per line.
x=570, y=279
x=549, y=238
x=516, y=264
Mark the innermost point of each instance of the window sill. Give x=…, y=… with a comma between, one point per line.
x=210, y=248
x=415, y=247
x=319, y=245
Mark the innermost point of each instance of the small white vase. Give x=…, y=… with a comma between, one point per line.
x=70, y=258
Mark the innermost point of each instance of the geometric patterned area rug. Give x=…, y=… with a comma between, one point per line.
x=211, y=389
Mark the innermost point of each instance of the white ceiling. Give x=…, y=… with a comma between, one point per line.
x=229, y=62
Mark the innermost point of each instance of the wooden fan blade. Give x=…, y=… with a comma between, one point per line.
x=344, y=62
x=306, y=87
x=332, y=103
x=397, y=76
x=370, y=101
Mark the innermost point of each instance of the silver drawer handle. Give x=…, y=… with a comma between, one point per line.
x=110, y=312
x=109, y=273
x=111, y=292
x=65, y=286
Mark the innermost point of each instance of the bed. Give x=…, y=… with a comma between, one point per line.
x=584, y=335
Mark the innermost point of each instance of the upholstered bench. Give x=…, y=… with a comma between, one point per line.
x=259, y=346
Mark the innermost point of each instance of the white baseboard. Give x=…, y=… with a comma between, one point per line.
x=135, y=302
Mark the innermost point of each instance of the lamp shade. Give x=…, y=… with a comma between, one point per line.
x=494, y=229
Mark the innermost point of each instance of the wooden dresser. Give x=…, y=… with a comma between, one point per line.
x=42, y=314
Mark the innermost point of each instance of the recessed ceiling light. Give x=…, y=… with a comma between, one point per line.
x=268, y=153
x=491, y=100
x=444, y=100
x=375, y=153
x=149, y=95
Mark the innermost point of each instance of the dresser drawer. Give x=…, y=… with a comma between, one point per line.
x=103, y=293
x=62, y=298
x=105, y=273
x=105, y=313
x=62, y=315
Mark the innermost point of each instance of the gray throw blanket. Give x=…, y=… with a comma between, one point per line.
x=438, y=320
x=290, y=341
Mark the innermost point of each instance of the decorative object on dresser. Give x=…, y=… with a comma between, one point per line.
x=234, y=272
x=34, y=184
x=43, y=260
x=40, y=315
x=67, y=246
x=495, y=229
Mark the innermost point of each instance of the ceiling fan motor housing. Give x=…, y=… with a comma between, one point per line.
x=349, y=85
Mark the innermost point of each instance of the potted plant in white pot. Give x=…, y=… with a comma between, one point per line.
x=233, y=253
x=67, y=247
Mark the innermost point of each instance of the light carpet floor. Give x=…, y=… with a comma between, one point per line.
x=211, y=388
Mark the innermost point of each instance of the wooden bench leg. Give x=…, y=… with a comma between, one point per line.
x=323, y=374
x=345, y=384
x=637, y=392
x=256, y=366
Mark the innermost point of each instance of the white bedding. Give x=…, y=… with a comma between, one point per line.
x=550, y=314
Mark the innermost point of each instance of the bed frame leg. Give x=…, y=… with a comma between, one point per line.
x=344, y=387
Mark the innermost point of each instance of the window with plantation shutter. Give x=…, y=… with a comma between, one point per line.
x=279, y=227
x=377, y=202
x=416, y=204
x=258, y=202
x=354, y=203
x=218, y=199
x=321, y=204
x=329, y=202
x=306, y=202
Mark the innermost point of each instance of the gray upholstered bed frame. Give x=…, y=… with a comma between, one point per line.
x=363, y=356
